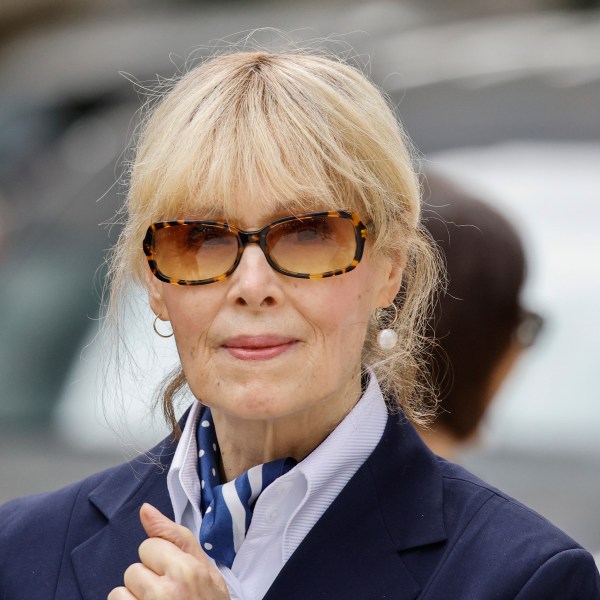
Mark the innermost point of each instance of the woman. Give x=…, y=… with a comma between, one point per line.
x=278, y=212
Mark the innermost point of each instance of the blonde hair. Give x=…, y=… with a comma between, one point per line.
x=262, y=127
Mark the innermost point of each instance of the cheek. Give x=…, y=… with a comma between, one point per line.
x=191, y=318
x=341, y=316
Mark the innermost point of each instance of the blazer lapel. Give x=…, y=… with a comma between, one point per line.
x=100, y=561
x=363, y=546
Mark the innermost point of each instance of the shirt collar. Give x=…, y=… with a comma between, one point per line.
x=329, y=467
x=182, y=479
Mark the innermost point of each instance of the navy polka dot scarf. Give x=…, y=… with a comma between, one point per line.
x=227, y=508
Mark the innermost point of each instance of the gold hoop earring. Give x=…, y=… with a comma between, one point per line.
x=387, y=337
x=162, y=335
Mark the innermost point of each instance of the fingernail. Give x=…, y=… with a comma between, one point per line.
x=148, y=506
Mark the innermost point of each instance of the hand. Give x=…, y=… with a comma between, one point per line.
x=173, y=567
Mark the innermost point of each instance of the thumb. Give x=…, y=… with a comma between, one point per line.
x=156, y=525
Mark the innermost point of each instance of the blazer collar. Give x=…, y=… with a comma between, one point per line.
x=409, y=483
x=362, y=544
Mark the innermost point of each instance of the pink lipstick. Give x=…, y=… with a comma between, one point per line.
x=258, y=347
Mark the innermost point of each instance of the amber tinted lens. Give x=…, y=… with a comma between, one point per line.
x=313, y=245
x=194, y=252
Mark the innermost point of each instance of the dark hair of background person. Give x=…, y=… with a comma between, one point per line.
x=477, y=316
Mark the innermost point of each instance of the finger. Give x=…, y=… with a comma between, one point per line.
x=157, y=525
x=121, y=593
x=164, y=557
x=140, y=581
x=178, y=572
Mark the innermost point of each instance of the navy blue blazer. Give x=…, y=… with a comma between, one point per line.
x=407, y=525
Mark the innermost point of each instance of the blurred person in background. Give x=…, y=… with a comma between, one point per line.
x=479, y=325
x=275, y=201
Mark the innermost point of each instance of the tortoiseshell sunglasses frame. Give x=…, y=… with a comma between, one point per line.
x=256, y=237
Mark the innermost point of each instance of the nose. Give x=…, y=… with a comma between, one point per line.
x=255, y=283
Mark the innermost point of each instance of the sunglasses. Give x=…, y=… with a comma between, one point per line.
x=309, y=246
x=529, y=328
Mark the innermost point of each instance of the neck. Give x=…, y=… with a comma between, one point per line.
x=246, y=443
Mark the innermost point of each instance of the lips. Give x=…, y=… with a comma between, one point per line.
x=258, y=347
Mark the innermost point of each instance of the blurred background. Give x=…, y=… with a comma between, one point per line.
x=503, y=97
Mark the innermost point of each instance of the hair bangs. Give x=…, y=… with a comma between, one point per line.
x=261, y=153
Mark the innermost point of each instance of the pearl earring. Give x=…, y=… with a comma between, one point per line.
x=387, y=338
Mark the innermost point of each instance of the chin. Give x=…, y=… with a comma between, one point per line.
x=260, y=401
x=257, y=411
